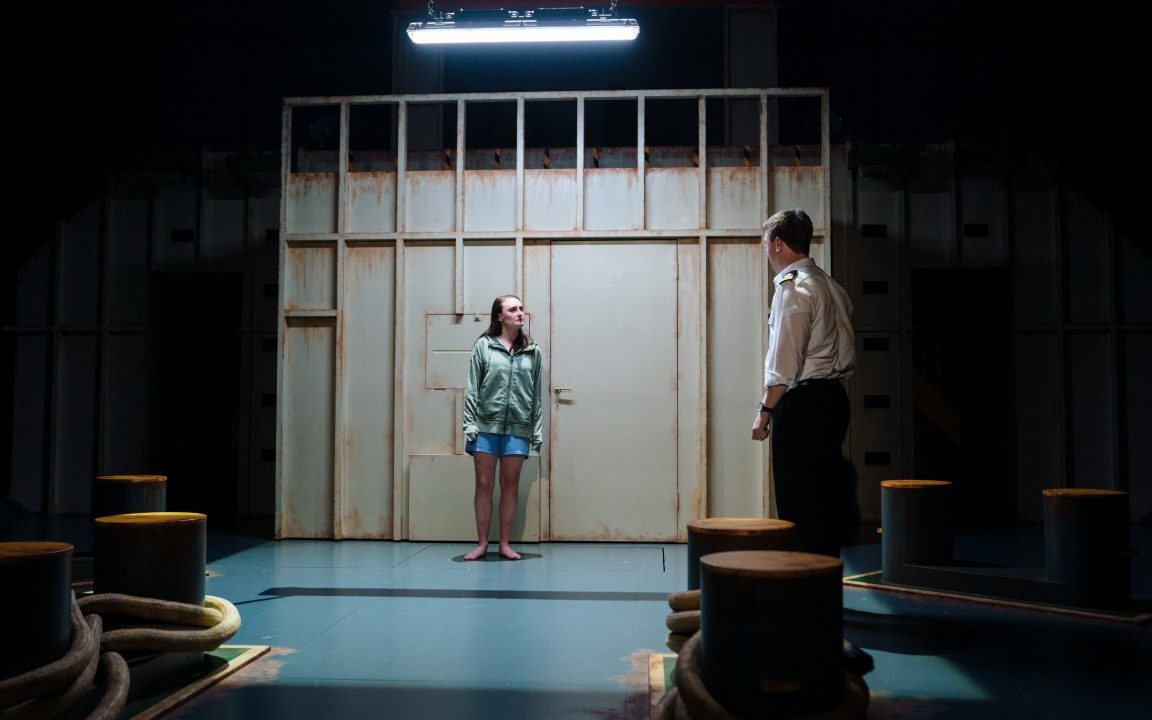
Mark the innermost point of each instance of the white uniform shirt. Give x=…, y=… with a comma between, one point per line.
x=809, y=330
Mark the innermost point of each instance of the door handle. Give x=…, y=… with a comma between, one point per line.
x=559, y=390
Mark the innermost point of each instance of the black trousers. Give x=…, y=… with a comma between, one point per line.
x=812, y=480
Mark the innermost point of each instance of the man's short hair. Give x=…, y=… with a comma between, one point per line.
x=794, y=227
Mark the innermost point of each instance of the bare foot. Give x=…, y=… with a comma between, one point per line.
x=508, y=553
x=477, y=553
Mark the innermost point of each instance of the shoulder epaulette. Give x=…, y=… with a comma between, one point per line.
x=789, y=276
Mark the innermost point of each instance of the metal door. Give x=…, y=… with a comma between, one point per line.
x=613, y=394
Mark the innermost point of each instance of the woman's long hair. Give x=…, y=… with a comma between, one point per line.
x=495, y=327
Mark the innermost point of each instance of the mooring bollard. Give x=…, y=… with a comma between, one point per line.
x=1086, y=546
x=916, y=525
x=155, y=554
x=120, y=494
x=723, y=534
x=36, y=623
x=771, y=632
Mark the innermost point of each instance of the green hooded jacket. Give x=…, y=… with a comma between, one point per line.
x=503, y=394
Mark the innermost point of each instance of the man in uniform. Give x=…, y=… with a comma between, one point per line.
x=811, y=349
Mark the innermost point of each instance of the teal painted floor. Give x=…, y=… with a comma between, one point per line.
x=382, y=629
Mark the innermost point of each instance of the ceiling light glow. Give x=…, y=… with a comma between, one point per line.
x=523, y=26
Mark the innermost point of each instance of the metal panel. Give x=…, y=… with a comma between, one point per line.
x=78, y=267
x=489, y=268
x=33, y=289
x=537, y=289
x=30, y=419
x=983, y=222
x=931, y=229
x=369, y=351
x=430, y=201
x=799, y=187
x=222, y=233
x=877, y=451
x=550, y=199
x=1136, y=349
x=733, y=197
x=126, y=291
x=670, y=198
x=610, y=196
x=448, y=347
x=441, y=507
x=489, y=200
x=1039, y=418
x=875, y=276
x=613, y=475
x=126, y=440
x=74, y=443
x=264, y=229
x=311, y=200
x=430, y=421
x=1135, y=284
x=1091, y=411
x=261, y=500
x=310, y=279
x=307, y=430
x=1036, y=265
x=691, y=385
x=372, y=202
x=737, y=466
x=174, y=226
x=1089, y=288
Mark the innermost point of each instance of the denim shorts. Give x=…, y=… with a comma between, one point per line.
x=501, y=445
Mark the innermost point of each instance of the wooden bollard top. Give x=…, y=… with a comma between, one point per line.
x=26, y=551
x=913, y=484
x=773, y=563
x=132, y=478
x=1081, y=492
x=738, y=525
x=151, y=518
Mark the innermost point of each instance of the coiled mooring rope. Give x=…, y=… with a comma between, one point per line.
x=217, y=621
x=47, y=691
x=690, y=699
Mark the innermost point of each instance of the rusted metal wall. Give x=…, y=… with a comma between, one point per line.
x=386, y=280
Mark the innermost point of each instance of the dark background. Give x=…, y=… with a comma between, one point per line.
x=92, y=89
x=89, y=86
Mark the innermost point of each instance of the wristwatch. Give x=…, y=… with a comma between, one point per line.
x=765, y=408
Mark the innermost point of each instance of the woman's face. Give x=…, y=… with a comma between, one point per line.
x=512, y=314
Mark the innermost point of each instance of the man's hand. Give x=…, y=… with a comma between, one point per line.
x=760, y=427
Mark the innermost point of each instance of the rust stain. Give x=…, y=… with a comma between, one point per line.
x=261, y=671
x=637, y=705
x=354, y=523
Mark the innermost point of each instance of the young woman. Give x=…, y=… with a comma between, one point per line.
x=502, y=412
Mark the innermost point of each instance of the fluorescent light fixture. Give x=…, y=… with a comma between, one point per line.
x=523, y=26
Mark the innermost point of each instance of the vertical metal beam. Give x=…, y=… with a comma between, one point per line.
x=401, y=165
x=103, y=381
x=339, y=421
x=765, y=290
x=702, y=383
x=399, y=439
x=519, y=163
x=285, y=174
x=580, y=163
x=702, y=170
x=459, y=262
x=641, y=220
x=826, y=175
x=50, y=493
x=518, y=270
x=763, y=195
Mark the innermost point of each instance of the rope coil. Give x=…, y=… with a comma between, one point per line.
x=47, y=691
